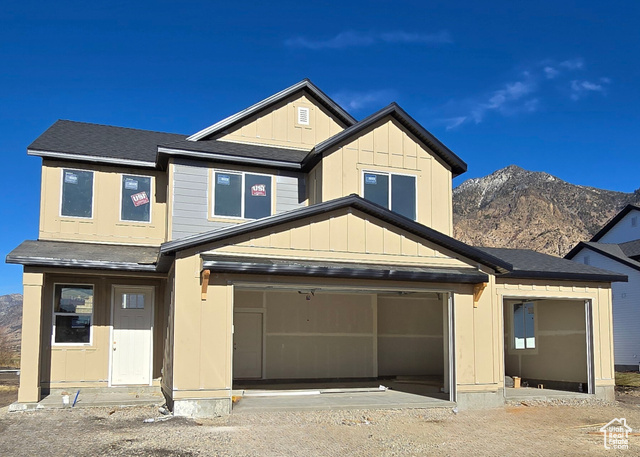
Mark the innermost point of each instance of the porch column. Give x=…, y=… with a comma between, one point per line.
x=29, y=391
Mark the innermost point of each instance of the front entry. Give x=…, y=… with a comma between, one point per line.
x=247, y=345
x=131, y=341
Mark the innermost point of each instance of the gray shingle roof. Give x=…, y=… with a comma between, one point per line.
x=238, y=150
x=85, y=255
x=103, y=141
x=611, y=250
x=631, y=248
x=536, y=265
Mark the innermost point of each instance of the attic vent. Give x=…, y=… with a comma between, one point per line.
x=634, y=221
x=303, y=116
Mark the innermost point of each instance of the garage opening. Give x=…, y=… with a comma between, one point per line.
x=322, y=340
x=547, y=347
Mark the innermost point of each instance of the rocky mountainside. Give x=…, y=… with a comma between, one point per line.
x=11, y=318
x=516, y=208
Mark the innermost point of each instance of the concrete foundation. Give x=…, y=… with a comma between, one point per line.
x=607, y=393
x=480, y=400
x=204, y=407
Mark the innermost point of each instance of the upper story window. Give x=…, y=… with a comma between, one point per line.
x=135, y=202
x=393, y=191
x=77, y=193
x=242, y=195
x=72, y=314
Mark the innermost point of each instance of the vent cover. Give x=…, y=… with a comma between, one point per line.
x=303, y=116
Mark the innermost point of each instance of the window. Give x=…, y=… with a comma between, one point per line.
x=72, y=314
x=395, y=192
x=524, y=326
x=135, y=204
x=245, y=195
x=77, y=193
x=132, y=301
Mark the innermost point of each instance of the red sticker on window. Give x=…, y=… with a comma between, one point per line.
x=140, y=199
x=259, y=190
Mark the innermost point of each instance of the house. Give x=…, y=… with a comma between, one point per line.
x=616, y=247
x=288, y=241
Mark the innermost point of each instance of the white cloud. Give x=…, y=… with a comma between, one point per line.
x=350, y=39
x=573, y=64
x=506, y=100
x=526, y=94
x=550, y=72
x=580, y=89
x=454, y=122
x=360, y=100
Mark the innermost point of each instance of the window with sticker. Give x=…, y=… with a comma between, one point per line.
x=136, y=198
x=77, y=193
x=242, y=195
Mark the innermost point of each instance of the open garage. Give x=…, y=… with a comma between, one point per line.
x=323, y=338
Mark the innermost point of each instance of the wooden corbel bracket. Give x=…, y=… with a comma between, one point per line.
x=205, y=283
x=477, y=292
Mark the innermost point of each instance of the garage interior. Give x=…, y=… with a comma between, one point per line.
x=315, y=340
x=547, y=346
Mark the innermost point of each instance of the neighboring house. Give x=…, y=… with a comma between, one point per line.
x=617, y=248
x=286, y=242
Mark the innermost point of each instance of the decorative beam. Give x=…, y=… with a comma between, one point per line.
x=205, y=283
x=477, y=292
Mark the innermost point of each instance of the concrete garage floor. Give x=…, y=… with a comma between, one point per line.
x=336, y=395
x=531, y=393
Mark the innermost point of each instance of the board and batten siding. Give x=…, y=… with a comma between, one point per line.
x=626, y=307
x=190, y=198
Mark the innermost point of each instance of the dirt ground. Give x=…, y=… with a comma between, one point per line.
x=535, y=430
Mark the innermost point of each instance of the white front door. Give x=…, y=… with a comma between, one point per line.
x=131, y=345
x=247, y=345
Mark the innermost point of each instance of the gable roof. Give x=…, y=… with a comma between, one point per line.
x=305, y=85
x=458, y=166
x=352, y=201
x=100, y=143
x=610, y=250
x=626, y=210
x=528, y=264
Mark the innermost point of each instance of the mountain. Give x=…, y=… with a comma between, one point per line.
x=11, y=318
x=517, y=208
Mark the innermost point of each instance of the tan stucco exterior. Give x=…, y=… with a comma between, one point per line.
x=387, y=147
x=193, y=326
x=279, y=127
x=105, y=225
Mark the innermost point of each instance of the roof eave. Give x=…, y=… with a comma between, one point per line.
x=356, y=202
x=458, y=166
x=164, y=153
x=90, y=159
x=305, y=84
x=565, y=276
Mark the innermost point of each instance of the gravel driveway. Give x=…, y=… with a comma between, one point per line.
x=566, y=429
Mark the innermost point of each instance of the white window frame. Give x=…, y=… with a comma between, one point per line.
x=54, y=314
x=242, y=192
x=389, y=174
x=151, y=192
x=93, y=192
x=512, y=343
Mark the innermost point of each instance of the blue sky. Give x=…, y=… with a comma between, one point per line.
x=547, y=85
